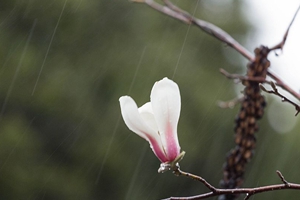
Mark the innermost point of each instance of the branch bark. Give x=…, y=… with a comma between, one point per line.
x=173, y=11
x=247, y=191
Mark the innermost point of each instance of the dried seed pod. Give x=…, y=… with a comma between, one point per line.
x=248, y=154
x=252, y=120
x=238, y=139
x=252, y=109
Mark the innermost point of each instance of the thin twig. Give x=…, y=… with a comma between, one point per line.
x=282, y=177
x=244, y=78
x=283, y=98
x=195, y=177
x=284, y=86
x=279, y=82
x=282, y=43
x=247, y=191
x=261, y=80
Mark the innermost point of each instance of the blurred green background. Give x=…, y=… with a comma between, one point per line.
x=63, y=67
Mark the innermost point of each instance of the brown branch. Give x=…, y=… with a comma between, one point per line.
x=173, y=11
x=261, y=80
x=283, y=98
x=178, y=172
x=164, y=9
x=243, y=78
x=282, y=177
x=279, y=82
x=282, y=43
x=284, y=86
x=247, y=191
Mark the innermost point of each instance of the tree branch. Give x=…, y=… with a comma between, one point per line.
x=241, y=77
x=282, y=43
x=260, y=80
x=247, y=191
x=283, y=98
x=173, y=11
x=284, y=86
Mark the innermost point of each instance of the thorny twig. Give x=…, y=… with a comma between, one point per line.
x=173, y=11
x=283, y=98
x=247, y=191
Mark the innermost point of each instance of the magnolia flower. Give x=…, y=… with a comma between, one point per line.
x=156, y=121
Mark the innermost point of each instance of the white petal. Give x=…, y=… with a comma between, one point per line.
x=133, y=119
x=166, y=104
x=135, y=122
x=146, y=112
